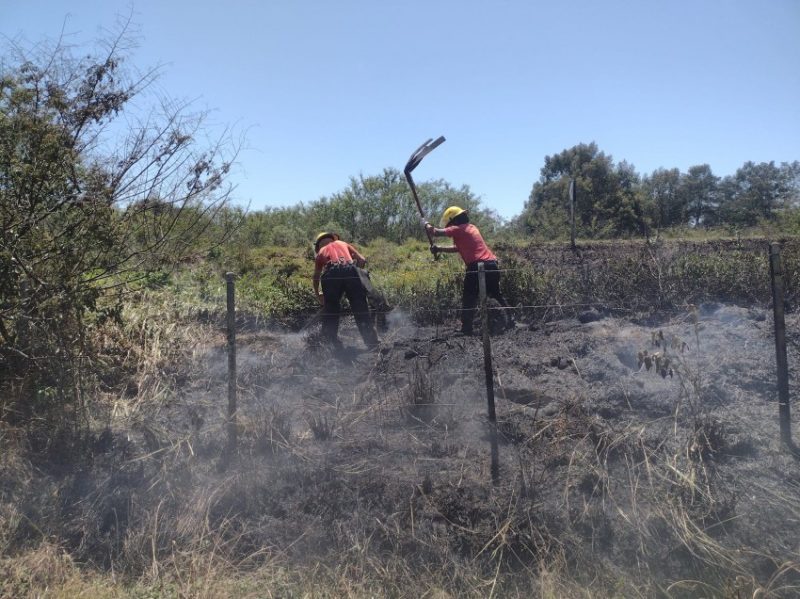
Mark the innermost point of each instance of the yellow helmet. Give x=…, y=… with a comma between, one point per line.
x=322, y=236
x=450, y=214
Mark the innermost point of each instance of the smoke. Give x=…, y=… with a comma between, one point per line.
x=398, y=319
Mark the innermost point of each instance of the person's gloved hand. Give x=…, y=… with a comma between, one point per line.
x=435, y=250
x=423, y=222
x=361, y=262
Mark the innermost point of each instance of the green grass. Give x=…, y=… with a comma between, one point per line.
x=275, y=282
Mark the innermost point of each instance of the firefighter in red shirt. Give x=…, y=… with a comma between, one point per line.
x=336, y=266
x=468, y=242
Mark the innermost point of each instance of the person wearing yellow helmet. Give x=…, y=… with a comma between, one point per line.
x=324, y=235
x=469, y=243
x=450, y=213
x=337, y=266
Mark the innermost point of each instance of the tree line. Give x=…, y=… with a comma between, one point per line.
x=613, y=200
x=370, y=207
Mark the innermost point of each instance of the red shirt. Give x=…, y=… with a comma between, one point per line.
x=469, y=243
x=336, y=252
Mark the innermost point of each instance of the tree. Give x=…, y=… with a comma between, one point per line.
x=383, y=206
x=664, y=204
x=698, y=193
x=758, y=191
x=370, y=207
x=626, y=210
x=791, y=171
x=84, y=212
x=607, y=201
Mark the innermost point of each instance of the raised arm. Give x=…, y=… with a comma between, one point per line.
x=435, y=231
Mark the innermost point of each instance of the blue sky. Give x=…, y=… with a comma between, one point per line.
x=325, y=90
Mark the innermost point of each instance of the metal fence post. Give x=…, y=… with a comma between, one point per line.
x=487, y=366
x=231, y=325
x=572, y=212
x=776, y=274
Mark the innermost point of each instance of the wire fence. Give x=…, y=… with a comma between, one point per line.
x=547, y=281
x=601, y=280
x=492, y=372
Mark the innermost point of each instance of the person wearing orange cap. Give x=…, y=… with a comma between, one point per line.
x=468, y=242
x=337, y=268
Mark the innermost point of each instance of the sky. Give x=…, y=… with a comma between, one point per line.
x=325, y=90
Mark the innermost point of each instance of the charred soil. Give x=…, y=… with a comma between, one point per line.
x=638, y=456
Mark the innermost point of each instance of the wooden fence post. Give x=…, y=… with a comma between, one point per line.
x=776, y=274
x=487, y=366
x=231, y=325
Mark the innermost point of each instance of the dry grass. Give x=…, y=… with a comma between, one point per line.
x=207, y=536
x=385, y=494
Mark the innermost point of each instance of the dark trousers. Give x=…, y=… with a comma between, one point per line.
x=472, y=291
x=376, y=301
x=345, y=280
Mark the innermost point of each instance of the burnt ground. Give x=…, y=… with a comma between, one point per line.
x=619, y=476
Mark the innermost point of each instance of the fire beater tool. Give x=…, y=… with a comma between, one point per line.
x=413, y=163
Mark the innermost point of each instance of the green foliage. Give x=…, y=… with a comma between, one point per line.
x=758, y=192
x=529, y=283
x=734, y=275
x=699, y=194
x=413, y=281
x=607, y=201
x=278, y=298
x=274, y=281
x=549, y=280
x=369, y=208
x=613, y=201
x=81, y=220
x=664, y=204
